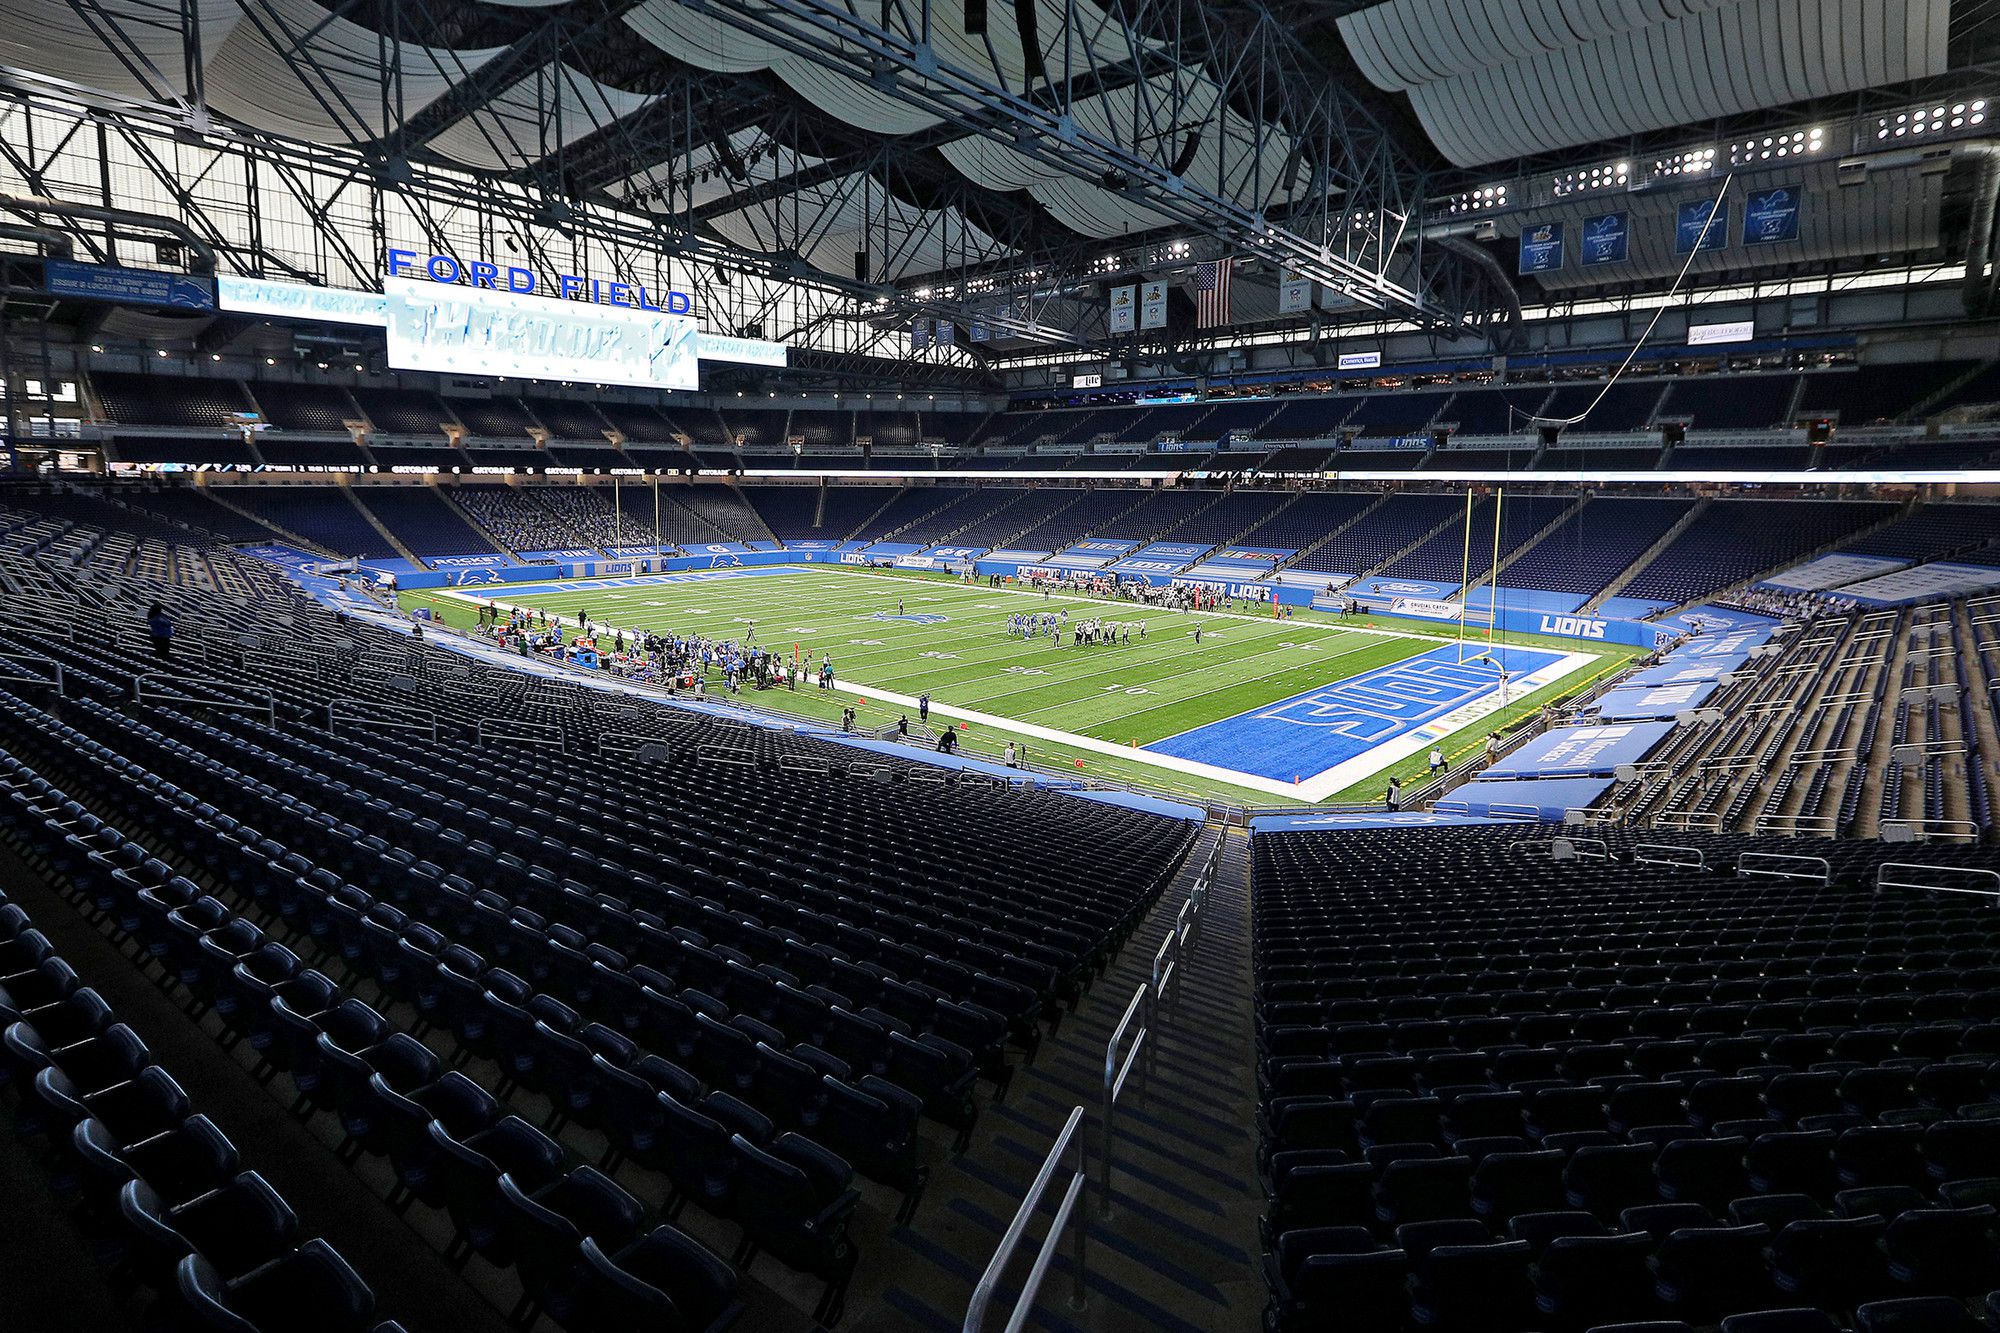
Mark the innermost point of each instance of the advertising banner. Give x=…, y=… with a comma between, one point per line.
x=477, y=331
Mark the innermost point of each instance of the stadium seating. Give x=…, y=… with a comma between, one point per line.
x=1933, y=532
x=1873, y=394
x=1157, y=514
x=195, y=509
x=1230, y=516
x=322, y=515
x=752, y=1063
x=1395, y=413
x=423, y=521
x=752, y=429
x=1056, y=518
x=1306, y=521
x=1303, y=419
x=1731, y=540
x=1626, y=406
x=314, y=407
x=551, y=518
x=1380, y=532
x=403, y=411
x=822, y=431
x=163, y=400
x=1443, y=556
x=1505, y=1093
x=637, y=422
x=496, y=418
x=1493, y=411
x=1595, y=544
x=1745, y=402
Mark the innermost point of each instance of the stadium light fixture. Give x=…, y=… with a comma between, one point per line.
x=1935, y=119
x=1693, y=162
x=1773, y=147
x=1604, y=176
x=1483, y=199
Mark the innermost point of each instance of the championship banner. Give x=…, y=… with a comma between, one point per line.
x=1606, y=238
x=1122, y=309
x=1700, y=225
x=1771, y=217
x=1153, y=305
x=947, y=333
x=1541, y=248
x=1294, y=295
x=920, y=334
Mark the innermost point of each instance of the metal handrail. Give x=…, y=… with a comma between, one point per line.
x=1070, y=1138
x=1925, y=829
x=162, y=694
x=1669, y=854
x=1148, y=1002
x=1116, y=1072
x=1773, y=865
x=1882, y=880
x=366, y=713
x=22, y=676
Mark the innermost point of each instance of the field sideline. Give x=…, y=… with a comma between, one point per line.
x=894, y=637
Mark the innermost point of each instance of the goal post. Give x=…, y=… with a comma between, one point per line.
x=1474, y=649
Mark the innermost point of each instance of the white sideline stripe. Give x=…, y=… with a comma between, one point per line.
x=1312, y=789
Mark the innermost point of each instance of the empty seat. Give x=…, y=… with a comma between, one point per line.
x=1703, y=1273
x=307, y=1290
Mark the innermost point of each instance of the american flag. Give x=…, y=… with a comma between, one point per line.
x=1211, y=294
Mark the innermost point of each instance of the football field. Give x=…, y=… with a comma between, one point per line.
x=1261, y=709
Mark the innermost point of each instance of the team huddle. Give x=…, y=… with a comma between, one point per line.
x=1051, y=625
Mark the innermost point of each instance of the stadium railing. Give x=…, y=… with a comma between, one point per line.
x=1911, y=875
x=1070, y=1146
x=1147, y=1007
x=1925, y=830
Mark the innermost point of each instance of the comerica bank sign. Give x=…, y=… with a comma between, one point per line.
x=523, y=282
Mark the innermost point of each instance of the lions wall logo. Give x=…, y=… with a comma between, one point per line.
x=1573, y=627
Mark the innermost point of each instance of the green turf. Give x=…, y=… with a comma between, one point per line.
x=1142, y=692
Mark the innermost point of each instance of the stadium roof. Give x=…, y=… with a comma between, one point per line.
x=973, y=149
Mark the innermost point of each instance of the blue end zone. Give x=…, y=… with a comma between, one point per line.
x=1310, y=733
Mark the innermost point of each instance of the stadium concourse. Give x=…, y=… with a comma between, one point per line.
x=687, y=666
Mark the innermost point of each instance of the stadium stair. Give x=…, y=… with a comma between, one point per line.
x=382, y=529
x=220, y=496
x=1457, y=516
x=1646, y=557
x=1528, y=545
x=891, y=498
x=1166, y=534
x=1945, y=392
x=1178, y=1253
x=1044, y=517
x=1364, y=513
x=1290, y=500
x=472, y=521
x=762, y=532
